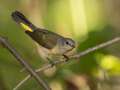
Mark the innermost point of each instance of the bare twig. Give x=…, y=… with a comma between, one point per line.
x=13, y=51
x=73, y=57
x=102, y=45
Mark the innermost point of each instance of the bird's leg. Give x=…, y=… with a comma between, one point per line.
x=51, y=62
x=66, y=57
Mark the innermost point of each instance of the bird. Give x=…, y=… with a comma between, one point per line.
x=56, y=44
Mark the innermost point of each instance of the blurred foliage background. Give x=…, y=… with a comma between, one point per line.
x=88, y=22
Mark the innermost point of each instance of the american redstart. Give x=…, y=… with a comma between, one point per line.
x=53, y=42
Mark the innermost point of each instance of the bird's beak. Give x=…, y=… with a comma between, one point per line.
x=73, y=46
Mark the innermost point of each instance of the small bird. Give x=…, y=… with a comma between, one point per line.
x=53, y=42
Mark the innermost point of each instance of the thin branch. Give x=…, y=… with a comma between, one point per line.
x=73, y=57
x=102, y=45
x=28, y=67
x=21, y=82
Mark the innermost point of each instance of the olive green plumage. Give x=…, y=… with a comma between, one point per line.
x=45, y=38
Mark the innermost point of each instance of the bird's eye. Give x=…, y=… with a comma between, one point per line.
x=67, y=42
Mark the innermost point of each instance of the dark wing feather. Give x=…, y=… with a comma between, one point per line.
x=45, y=38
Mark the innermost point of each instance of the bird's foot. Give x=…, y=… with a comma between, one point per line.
x=66, y=58
x=51, y=62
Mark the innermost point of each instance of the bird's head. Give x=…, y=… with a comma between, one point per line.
x=66, y=45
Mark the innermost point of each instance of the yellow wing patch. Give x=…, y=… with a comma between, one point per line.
x=26, y=27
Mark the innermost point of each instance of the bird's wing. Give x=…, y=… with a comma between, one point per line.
x=45, y=38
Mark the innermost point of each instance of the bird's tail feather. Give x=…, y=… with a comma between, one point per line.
x=19, y=18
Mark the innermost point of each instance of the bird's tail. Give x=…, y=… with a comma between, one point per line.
x=19, y=18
